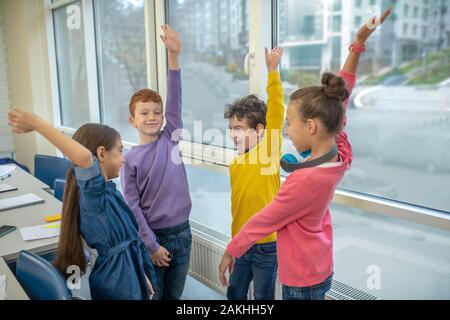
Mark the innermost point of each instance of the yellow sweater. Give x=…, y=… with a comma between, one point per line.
x=255, y=175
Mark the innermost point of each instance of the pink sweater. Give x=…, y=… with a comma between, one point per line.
x=300, y=215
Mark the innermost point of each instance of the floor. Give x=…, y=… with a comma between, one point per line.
x=194, y=290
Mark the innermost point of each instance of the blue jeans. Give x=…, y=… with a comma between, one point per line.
x=258, y=264
x=316, y=292
x=171, y=280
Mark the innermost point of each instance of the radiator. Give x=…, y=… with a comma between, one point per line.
x=208, y=247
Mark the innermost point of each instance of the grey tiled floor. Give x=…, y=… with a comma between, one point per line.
x=193, y=290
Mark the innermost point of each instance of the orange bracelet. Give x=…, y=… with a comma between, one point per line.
x=357, y=48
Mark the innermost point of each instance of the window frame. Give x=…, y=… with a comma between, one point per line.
x=203, y=155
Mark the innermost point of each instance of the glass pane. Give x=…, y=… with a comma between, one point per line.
x=215, y=43
x=211, y=202
x=398, y=117
x=300, y=21
x=71, y=63
x=388, y=257
x=120, y=34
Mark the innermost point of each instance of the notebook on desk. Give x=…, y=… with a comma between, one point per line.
x=42, y=231
x=6, y=170
x=6, y=188
x=26, y=200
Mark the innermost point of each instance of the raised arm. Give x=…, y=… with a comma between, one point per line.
x=275, y=103
x=173, y=112
x=348, y=73
x=23, y=122
x=364, y=32
x=275, y=100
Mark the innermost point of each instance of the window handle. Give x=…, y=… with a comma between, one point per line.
x=249, y=56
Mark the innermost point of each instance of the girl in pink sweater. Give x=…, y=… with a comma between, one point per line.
x=300, y=213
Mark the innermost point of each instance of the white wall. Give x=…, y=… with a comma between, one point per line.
x=6, y=139
x=28, y=70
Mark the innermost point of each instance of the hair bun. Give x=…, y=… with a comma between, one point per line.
x=334, y=87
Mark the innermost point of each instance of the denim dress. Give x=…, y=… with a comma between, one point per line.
x=108, y=225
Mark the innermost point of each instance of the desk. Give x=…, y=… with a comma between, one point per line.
x=12, y=243
x=13, y=289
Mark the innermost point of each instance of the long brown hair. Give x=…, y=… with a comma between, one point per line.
x=70, y=249
x=323, y=102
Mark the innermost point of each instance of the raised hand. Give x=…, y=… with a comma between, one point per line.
x=368, y=28
x=22, y=121
x=273, y=58
x=171, y=40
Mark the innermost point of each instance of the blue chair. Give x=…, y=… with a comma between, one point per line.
x=39, y=279
x=58, y=188
x=49, y=168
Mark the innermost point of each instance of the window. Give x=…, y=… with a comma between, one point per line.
x=215, y=43
x=425, y=15
x=301, y=21
x=390, y=258
x=337, y=23
x=120, y=35
x=393, y=136
x=337, y=5
x=211, y=199
x=424, y=31
x=72, y=74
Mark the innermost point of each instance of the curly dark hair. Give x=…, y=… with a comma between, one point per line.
x=251, y=108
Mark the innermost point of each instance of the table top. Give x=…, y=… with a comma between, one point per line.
x=13, y=289
x=12, y=243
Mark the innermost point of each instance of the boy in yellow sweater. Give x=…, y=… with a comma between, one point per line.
x=256, y=130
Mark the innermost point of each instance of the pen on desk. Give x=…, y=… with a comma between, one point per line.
x=6, y=177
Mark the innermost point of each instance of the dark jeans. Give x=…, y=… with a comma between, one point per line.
x=258, y=264
x=177, y=240
x=316, y=292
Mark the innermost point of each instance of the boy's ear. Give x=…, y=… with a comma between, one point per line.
x=259, y=129
x=131, y=120
x=101, y=154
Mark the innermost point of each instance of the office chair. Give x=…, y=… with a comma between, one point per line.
x=58, y=188
x=39, y=279
x=49, y=168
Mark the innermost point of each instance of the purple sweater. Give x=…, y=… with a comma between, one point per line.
x=153, y=178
